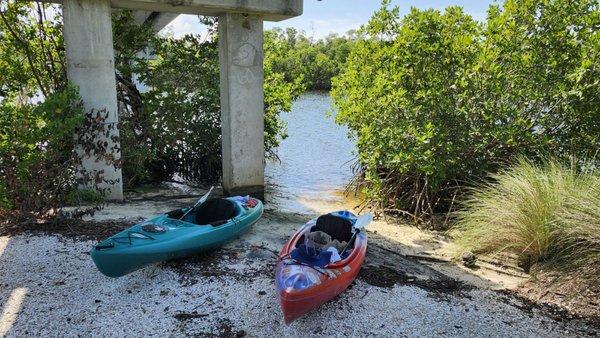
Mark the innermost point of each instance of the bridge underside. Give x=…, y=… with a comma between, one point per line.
x=158, y=20
x=90, y=66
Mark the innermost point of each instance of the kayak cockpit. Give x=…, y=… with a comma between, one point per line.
x=215, y=212
x=323, y=243
x=340, y=229
x=330, y=232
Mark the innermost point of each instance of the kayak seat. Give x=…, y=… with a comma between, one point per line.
x=215, y=212
x=175, y=214
x=339, y=228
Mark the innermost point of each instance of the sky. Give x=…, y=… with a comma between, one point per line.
x=321, y=18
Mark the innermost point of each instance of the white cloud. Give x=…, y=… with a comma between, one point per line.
x=318, y=28
x=322, y=28
x=184, y=24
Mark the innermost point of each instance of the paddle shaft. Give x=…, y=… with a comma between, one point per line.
x=350, y=241
x=200, y=201
x=189, y=210
x=360, y=223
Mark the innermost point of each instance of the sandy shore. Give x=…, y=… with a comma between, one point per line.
x=50, y=287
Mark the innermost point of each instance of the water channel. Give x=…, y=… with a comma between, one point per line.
x=314, y=160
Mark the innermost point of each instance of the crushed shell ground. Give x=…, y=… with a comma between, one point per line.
x=49, y=287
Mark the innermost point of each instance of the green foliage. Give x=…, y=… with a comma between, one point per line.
x=540, y=57
x=280, y=92
x=541, y=214
x=36, y=151
x=437, y=100
x=31, y=53
x=302, y=59
x=39, y=113
x=188, y=118
x=84, y=197
x=174, y=125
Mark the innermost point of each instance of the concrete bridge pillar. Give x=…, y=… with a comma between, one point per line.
x=242, y=103
x=90, y=66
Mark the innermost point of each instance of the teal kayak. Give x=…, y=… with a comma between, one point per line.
x=166, y=237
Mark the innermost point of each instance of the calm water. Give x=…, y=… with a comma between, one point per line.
x=315, y=158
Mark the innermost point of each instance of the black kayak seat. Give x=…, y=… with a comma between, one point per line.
x=175, y=214
x=216, y=211
x=337, y=227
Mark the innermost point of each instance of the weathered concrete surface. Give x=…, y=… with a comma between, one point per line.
x=90, y=66
x=242, y=103
x=158, y=20
x=50, y=287
x=270, y=10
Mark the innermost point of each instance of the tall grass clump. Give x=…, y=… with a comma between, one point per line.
x=546, y=214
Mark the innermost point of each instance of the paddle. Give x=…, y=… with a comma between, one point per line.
x=360, y=224
x=200, y=201
x=363, y=221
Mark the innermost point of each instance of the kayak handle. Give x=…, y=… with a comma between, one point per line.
x=107, y=246
x=138, y=235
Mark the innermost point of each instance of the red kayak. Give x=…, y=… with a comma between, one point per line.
x=303, y=286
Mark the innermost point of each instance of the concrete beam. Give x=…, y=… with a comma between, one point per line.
x=141, y=16
x=242, y=103
x=161, y=20
x=158, y=20
x=90, y=66
x=269, y=10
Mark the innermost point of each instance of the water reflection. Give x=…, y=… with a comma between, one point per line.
x=315, y=158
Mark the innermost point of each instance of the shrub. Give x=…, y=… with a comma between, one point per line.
x=302, y=59
x=39, y=116
x=540, y=213
x=437, y=100
x=399, y=94
x=37, y=162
